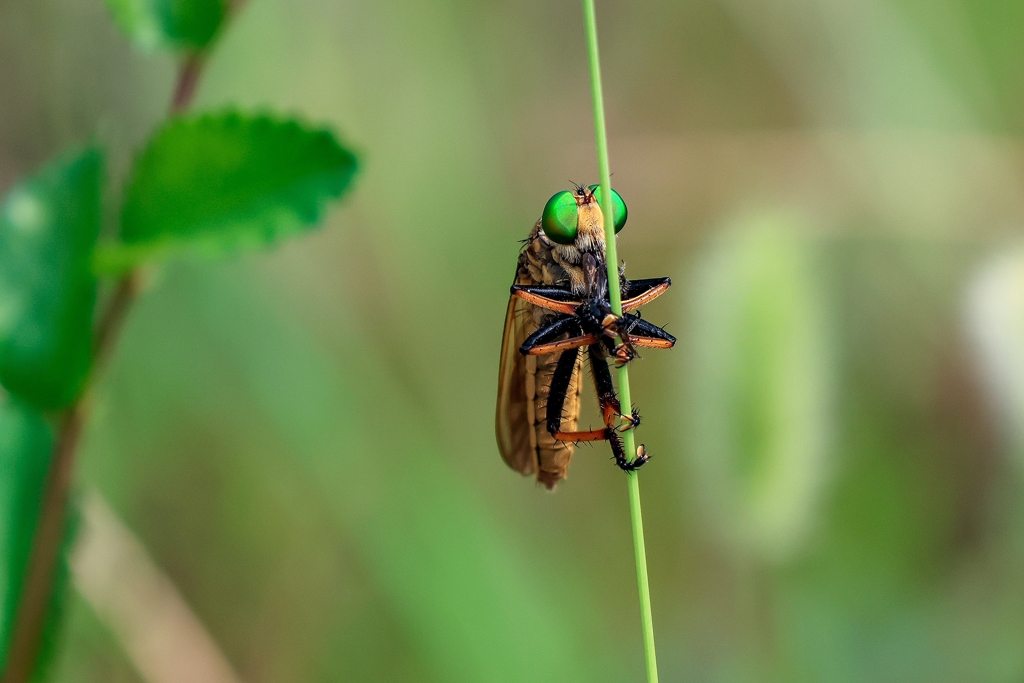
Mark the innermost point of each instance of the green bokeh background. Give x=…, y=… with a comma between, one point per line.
x=303, y=438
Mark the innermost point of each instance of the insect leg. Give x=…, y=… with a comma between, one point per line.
x=553, y=292
x=561, y=324
x=614, y=419
x=539, y=343
x=551, y=298
x=651, y=342
x=636, y=293
x=620, y=455
x=610, y=408
x=645, y=334
x=563, y=345
x=576, y=437
x=560, y=381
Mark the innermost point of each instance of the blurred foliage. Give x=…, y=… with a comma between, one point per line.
x=179, y=24
x=213, y=183
x=996, y=326
x=52, y=644
x=759, y=386
x=303, y=438
x=48, y=228
x=25, y=443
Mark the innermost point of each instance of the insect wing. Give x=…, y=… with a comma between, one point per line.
x=513, y=425
x=524, y=383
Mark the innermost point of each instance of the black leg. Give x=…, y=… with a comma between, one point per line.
x=612, y=411
x=636, y=293
x=553, y=298
x=606, y=398
x=602, y=380
x=553, y=292
x=635, y=326
x=560, y=380
x=634, y=288
x=563, y=324
x=559, y=386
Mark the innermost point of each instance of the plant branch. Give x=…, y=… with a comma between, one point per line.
x=109, y=329
x=615, y=299
x=37, y=590
x=188, y=78
x=37, y=593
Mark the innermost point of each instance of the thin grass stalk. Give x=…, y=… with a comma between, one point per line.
x=615, y=297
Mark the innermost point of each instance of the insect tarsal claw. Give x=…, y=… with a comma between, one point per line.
x=623, y=353
x=641, y=458
x=628, y=422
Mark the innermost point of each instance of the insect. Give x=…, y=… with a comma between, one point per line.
x=558, y=313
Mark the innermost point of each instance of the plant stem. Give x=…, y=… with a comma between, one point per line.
x=37, y=590
x=41, y=571
x=615, y=298
x=188, y=78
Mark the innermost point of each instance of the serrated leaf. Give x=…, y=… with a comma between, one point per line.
x=48, y=229
x=224, y=182
x=26, y=443
x=171, y=24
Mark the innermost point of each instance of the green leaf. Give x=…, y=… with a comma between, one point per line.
x=170, y=24
x=26, y=442
x=48, y=229
x=223, y=182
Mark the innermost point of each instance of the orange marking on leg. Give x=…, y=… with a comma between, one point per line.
x=563, y=345
x=615, y=420
x=592, y=435
x=651, y=342
x=648, y=296
x=611, y=415
x=550, y=304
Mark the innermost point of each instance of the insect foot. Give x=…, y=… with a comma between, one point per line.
x=620, y=459
x=623, y=353
x=641, y=457
x=627, y=422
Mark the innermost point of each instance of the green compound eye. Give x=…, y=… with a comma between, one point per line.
x=618, y=206
x=559, y=219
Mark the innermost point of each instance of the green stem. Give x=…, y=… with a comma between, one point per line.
x=612, y=259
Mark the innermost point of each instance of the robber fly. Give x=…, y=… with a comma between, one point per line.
x=558, y=309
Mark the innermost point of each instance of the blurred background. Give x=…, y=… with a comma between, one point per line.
x=295, y=447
